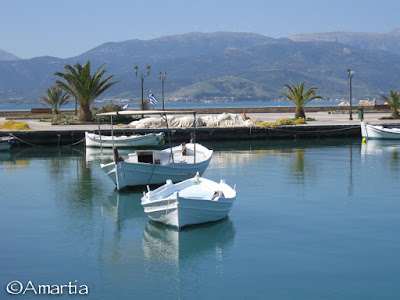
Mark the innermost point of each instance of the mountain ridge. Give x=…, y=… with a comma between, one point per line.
x=220, y=65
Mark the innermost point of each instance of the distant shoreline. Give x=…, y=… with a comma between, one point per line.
x=235, y=110
x=187, y=105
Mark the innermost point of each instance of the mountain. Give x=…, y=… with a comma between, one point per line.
x=219, y=66
x=4, y=55
x=386, y=41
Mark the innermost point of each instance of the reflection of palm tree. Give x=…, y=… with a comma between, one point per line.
x=82, y=188
x=84, y=182
x=395, y=160
x=295, y=94
x=299, y=165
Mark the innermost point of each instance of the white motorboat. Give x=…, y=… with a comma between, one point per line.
x=379, y=132
x=147, y=140
x=193, y=201
x=144, y=167
x=6, y=142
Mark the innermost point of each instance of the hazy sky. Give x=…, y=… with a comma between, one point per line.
x=31, y=28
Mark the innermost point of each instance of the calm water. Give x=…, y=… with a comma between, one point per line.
x=313, y=220
x=186, y=104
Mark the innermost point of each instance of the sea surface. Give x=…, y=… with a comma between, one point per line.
x=184, y=104
x=313, y=219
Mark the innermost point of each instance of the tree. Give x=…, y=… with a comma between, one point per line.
x=84, y=87
x=394, y=102
x=295, y=93
x=55, y=98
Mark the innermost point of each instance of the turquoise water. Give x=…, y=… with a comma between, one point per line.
x=186, y=104
x=314, y=219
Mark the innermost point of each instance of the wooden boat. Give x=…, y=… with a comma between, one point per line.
x=193, y=201
x=132, y=141
x=144, y=167
x=379, y=132
x=6, y=142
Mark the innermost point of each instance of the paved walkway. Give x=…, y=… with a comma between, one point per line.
x=321, y=118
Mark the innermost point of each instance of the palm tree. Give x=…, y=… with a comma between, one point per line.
x=394, y=102
x=295, y=93
x=55, y=98
x=84, y=87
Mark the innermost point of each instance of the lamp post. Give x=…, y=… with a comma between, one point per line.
x=136, y=69
x=350, y=74
x=162, y=78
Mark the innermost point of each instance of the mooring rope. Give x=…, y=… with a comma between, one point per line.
x=17, y=138
x=33, y=145
x=76, y=143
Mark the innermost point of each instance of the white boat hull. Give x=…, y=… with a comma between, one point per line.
x=379, y=132
x=183, y=212
x=127, y=173
x=189, y=205
x=148, y=140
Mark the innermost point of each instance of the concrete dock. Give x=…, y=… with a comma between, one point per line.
x=325, y=125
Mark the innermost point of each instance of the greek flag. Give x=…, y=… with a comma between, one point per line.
x=153, y=99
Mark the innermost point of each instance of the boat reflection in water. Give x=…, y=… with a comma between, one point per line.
x=5, y=156
x=103, y=155
x=379, y=147
x=162, y=242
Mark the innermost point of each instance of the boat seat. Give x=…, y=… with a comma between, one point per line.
x=217, y=194
x=197, y=192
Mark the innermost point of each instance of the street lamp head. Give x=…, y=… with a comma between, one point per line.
x=136, y=69
x=350, y=73
x=148, y=69
x=165, y=74
x=159, y=75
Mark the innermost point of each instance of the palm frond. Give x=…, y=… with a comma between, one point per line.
x=81, y=84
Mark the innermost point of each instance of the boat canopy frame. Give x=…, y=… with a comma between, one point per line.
x=162, y=113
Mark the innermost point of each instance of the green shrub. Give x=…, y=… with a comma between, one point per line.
x=267, y=124
x=300, y=121
x=63, y=119
x=284, y=121
x=111, y=108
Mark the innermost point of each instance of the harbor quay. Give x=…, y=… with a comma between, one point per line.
x=327, y=122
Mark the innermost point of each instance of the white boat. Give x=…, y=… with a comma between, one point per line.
x=6, y=142
x=144, y=167
x=379, y=132
x=193, y=201
x=147, y=140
